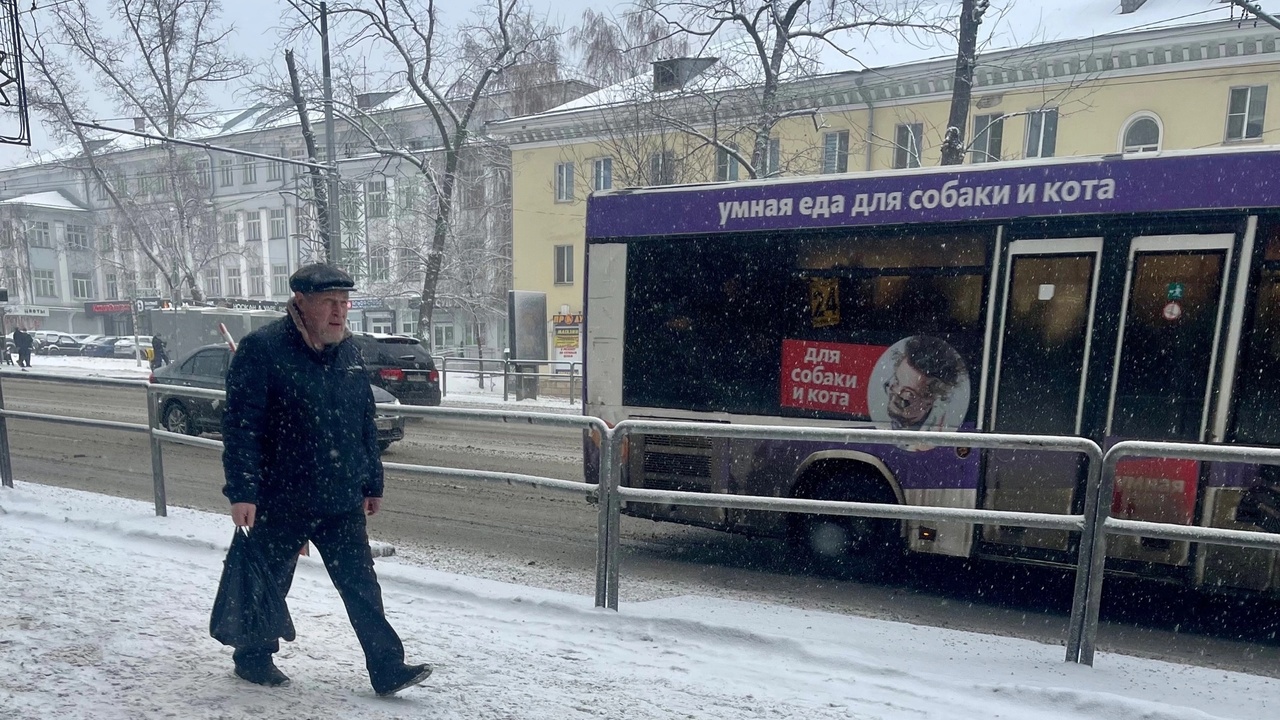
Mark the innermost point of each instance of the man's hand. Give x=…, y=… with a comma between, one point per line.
x=372, y=505
x=242, y=514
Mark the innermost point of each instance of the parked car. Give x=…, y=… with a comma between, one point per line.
x=57, y=343
x=206, y=367
x=400, y=365
x=102, y=347
x=124, y=348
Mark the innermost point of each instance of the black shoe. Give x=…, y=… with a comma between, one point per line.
x=266, y=674
x=405, y=676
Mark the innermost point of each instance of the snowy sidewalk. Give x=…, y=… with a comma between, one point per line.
x=104, y=614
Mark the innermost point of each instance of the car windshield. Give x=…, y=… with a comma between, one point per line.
x=401, y=346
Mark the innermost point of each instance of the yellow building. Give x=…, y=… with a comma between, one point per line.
x=1191, y=86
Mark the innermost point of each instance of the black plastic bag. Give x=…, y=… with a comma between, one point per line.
x=249, y=609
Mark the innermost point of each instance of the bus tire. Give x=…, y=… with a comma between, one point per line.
x=847, y=546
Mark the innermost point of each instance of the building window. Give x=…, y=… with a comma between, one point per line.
x=149, y=282
x=1142, y=134
x=564, y=264
x=988, y=138
x=82, y=286
x=375, y=199
x=279, y=225
x=835, y=152
x=38, y=235
x=906, y=145
x=226, y=172
x=602, y=174
x=1245, y=111
x=43, y=283
x=564, y=182
x=203, y=173
x=257, y=283
x=408, y=327
x=102, y=193
x=253, y=226
x=279, y=279
x=773, y=158
x=1042, y=133
x=78, y=237
x=406, y=194
x=213, y=282
x=726, y=165
x=662, y=168
x=106, y=239
x=113, y=287
x=275, y=169
x=230, y=229
x=444, y=335
x=234, y=288
x=248, y=171
x=380, y=264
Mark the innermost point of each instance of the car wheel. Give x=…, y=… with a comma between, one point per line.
x=176, y=419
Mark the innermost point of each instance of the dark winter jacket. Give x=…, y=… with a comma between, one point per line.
x=299, y=429
x=22, y=340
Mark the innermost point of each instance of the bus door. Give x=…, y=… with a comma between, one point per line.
x=1042, y=364
x=1171, y=323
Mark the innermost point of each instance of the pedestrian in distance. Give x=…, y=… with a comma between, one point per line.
x=8, y=356
x=159, y=352
x=302, y=464
x=22, y=342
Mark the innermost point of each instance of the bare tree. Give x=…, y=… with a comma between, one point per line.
x=159, y=70
x=971, y=12
x=450, y=71
x=611, y=51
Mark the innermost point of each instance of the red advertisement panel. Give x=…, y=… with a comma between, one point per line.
x=827, y=376
x=1156, y=490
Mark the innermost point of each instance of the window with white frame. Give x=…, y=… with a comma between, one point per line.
x=602, y=174
x=203, y=174
x=275, y=169
x=226, y=172
x=988, y=138
x=253, y=226
x=102, y=193
x=149, y=281
x=835, y=152
x=375, y=198
x=408, y=327
x=1141, y=134
x=380, y=264
x=564, y=264
x=113, y=287
x=230, y=228
x=248, y=171
x=773, y=158
x=726, y=165
x=473, y=333
x=213, y=282
x=907, y=138
x=43, y=283
x=39, y=235
x=1246, y=109
x=234, y=288
x=78, y=237
x=662, y=168
x=279, y=279
x=82, y=285
x=257, y=282
x=106, y=239
x=406, y=194
x=444, y=335
x=279, y=224
x=1042, y=133
x=564, y=182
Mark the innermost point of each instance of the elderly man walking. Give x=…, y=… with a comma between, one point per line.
x=302, y=464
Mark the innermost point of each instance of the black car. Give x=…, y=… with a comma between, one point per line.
x=207, y=368
x=400, y=365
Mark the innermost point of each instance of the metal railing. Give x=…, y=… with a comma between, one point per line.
x=509, y=369
x=1094, y=523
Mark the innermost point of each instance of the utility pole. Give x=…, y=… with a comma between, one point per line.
x=335, y=239
x=1253, y=8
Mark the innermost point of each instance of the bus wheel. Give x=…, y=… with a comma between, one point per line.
x=847, y=546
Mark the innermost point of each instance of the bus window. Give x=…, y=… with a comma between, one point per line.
x=1258, y=412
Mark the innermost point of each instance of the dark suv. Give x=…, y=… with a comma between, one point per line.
x=207, y=368
x=400, y=365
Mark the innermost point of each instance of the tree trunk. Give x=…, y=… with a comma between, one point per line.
x=319, y=188
x=444, y=216
x=953, y=145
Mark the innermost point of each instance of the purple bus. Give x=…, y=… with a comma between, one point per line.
x=1120, y=297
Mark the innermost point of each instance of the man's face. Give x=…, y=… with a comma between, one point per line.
x=325, y=314
x=910, y=399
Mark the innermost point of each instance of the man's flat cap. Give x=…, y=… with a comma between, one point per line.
x=320, y=277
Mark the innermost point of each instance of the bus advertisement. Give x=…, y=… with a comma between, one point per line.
x=1113, y=298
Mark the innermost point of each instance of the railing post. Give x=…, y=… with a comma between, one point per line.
x=1095, y=529
x=506, y=374
x=157, y=453
x=6, y=462
x=613, y=506
x=1077, y=631
x=444, y=375
x=573, y=370
x=603, y=493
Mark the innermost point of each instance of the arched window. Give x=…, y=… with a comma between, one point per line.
x=1142, y=134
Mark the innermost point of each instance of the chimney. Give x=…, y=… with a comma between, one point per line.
x=673, y=74
x=1128, y=6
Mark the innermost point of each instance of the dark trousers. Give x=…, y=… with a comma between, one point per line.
x=24, y=358
x=344, y=545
